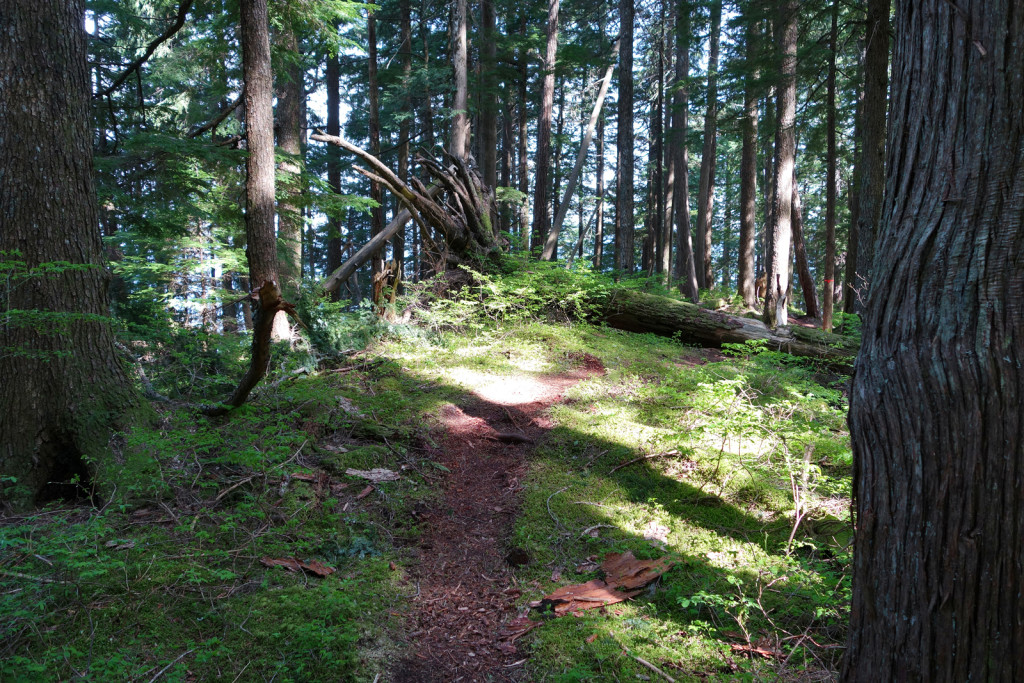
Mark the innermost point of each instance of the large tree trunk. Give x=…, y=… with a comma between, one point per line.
x=541, y=208
x=872, y=168
x=779, y=240
x=460, y=125
x=685, y=264
x=935, y=408
x=641, y=312
x=63, y=390
x=832, y=175
x=656, y=158
x=748, y=173
x=624, y=229
x=488, y=96
x=706, y=193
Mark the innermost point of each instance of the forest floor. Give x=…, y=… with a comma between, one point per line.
x=411, y=513
x=466, y=590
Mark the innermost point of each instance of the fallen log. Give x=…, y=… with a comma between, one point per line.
x=641, y=312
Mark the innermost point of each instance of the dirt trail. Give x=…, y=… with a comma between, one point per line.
x=466, y=592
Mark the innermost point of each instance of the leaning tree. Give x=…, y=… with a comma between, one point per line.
x=935, y=412
x=62, y=387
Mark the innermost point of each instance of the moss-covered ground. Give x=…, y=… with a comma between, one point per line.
x=161, y=578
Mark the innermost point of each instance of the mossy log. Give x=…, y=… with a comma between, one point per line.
x=641, y=312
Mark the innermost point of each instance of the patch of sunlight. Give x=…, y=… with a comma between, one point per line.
x=501, y=390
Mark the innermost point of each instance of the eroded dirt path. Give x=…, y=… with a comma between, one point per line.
x=466, y=600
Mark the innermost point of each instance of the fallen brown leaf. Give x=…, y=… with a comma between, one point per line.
x=625, y=577
x=365, y=492
x=292, y=564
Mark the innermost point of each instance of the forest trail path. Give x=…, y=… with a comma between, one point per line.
x=466, y=591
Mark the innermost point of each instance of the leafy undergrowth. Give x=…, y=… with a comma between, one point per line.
x=163, y=579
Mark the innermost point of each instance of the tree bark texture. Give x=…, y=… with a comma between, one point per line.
x=780, y=237
x=290, y=97
x=405, y=127
x=376, y=191
x=803, y=267
x=685, y=263
x=63, y=390
x=706, y=193
x=748, y=175
x=488, y=97
x=541, y=191
x=831, y=176
x=935, y=411
x=624, y=230
x=460, y=124
x=261, y=244
x=599, y=191
x=333, y=76
x=872, y=167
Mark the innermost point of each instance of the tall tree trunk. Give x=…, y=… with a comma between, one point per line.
x=523, y=121
x=63, y=392
x=671, y=151
x=624, y=229
x=935, y=407
x=780, y=237
x=748, y=173
x=556, y=164
x=541, y=209
x=657, y=150
x=376, y=191
x=290, y=97
x=706, y=198
x=832, y=177
x=803, y=268
x=333, y=77
x=488, y=97
x=599, y=190
x=853, y=194
x=460, y=125
x=405, y=126
x=872, y=180
x=685, y=263
x=581, y=158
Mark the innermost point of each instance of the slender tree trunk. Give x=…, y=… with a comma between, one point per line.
x=670, y=154
x=706, y=199
x=581, y=158
x=832, y=177
x=935, y=408
x=405, y=126
x=488, y=96
x=685, y=262
x=872, y=181
x=657, y=150
x=524, y=178
x=556, y=164
x=803, y=269
x=541, y=209
x=624, y=228
x=780, y=238
x=599, y=190
x=62, y=394
x=748, y=174
x=333, y=76
x=853, y=195
x=290, y=95
x=376, y=191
